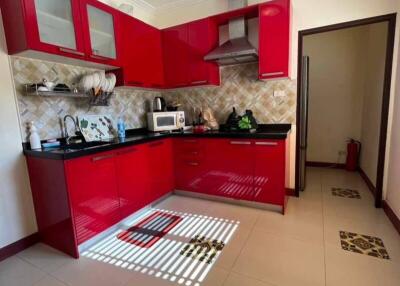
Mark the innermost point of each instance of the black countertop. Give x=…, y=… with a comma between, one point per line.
x=140, y=136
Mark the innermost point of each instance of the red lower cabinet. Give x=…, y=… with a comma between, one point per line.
x=235, y=169
x=161, y=180
x=269, y=171
x=92, y=185
x=133, y=178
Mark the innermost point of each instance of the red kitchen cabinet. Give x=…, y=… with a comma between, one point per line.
x=133, y=179
x=161, y=180
x=274, y=19
x=92, y=185
x=202, y=38
x=269, y=171
x=34, y=27
x=101, y=30
x=176, y=56
x=236, y=157
x=190, y=172
x=142, y=55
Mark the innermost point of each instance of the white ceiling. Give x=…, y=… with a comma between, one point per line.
x=154, y=6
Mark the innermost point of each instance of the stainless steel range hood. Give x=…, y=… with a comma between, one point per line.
x=237, y=49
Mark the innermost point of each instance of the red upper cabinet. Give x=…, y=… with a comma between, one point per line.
x=202, y=38
x=101, y=30
x=48, y=26
x=176, y=56
x=274, y=39
x=141, y=54
x=269, y=171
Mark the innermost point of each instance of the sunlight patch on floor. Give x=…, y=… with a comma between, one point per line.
x=165, y=259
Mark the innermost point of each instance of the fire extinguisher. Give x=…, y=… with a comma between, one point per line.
x=353, y=155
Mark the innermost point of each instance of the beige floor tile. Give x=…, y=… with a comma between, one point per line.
x=352, y=269
x=232, y=250
x=45, y=257
x=215, y=277
x=384, y=230
x=187, y=204
x=16, y=272
x=235, y=279
x=305, y=226
x=246, y=216
x=49, y=281
x=90, y=272
x=268, y=257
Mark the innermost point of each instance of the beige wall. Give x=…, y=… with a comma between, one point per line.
x=375, y=56
x=17, y=217
x=337, y=64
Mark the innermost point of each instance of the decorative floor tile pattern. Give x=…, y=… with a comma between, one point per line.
x=346, y=193
x=202, y=248
x=150, y=230
x=163, y=260
x=363, y=244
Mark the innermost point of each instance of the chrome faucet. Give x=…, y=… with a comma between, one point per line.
x=67, y=137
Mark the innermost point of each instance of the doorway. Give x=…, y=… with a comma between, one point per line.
x=387, y=21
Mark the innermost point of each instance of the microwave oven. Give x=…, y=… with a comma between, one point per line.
x=165, y=121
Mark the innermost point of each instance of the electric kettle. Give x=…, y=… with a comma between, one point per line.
x=159, y=104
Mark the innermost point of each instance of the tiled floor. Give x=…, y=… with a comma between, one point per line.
x=265, y=249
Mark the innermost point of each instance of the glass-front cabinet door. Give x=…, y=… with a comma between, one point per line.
x=56, y=26
x=102, y=27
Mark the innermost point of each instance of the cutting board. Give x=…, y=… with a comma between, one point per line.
x=96, y=127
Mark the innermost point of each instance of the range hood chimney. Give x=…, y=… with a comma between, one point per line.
x=237, y=49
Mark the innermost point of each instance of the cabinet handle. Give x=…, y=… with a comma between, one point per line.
x=135, y=82
x=127, y=151
x=199, y=82
x=100, y=58
x=240, y=143
x=193, y=163
x=272, y=73
x=100, y=158
x=71, y=51
x=267, y=143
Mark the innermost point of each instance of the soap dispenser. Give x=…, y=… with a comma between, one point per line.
x=34, y=137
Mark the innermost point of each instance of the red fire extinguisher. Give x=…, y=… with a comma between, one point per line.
x=353, y=155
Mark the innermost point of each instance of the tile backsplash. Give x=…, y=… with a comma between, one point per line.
x=239, y=88
x=47, y=113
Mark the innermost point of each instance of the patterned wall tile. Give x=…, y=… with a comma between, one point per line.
x=239, y=88
x=47, y=113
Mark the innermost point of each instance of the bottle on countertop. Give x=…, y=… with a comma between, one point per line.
x=34, y=137
x=121, y=128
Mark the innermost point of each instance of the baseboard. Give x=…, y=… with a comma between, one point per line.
x=18, y=246
x=391, y=215
x=370, y=185
x=290, y=192
x=325, y=165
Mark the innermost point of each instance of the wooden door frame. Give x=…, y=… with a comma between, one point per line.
x=391, y=19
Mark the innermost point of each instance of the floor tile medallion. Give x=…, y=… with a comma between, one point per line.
x=346, y=193
x=363, y=244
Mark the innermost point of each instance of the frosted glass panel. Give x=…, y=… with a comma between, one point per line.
x=56, y=25
x=102, y=37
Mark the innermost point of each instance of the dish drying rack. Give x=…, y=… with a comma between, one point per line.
x=95, y=97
